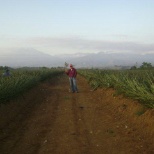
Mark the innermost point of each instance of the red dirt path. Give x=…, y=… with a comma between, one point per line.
x=50, y=120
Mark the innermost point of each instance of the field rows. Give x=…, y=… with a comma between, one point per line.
x=136, y=84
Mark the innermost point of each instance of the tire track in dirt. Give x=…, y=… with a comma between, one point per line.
x=69, y=137
x=81, y=131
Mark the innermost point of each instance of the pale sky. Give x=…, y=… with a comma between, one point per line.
x=70, y=26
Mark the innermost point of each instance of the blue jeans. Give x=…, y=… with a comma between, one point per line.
x=73, y=84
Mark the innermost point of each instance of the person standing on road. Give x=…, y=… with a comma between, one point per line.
x=72, y=73
x=6, y=73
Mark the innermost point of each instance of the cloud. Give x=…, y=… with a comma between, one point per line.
x=73, y=44
x=78, y=44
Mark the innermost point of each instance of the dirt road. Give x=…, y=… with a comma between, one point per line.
x=50, y=120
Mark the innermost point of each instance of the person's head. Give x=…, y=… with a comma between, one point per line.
x=71, y=66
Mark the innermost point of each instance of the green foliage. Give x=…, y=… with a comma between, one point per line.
x=136, y=84
x=139, y=113
x=22, y=80
x=146, y=65
x=133, y=68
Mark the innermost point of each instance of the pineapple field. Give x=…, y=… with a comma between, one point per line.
x=112, y=113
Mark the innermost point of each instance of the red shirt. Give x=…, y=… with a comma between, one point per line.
x=72, y=72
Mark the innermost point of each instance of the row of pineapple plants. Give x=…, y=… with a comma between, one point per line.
x=136, y=84
x=22, y=80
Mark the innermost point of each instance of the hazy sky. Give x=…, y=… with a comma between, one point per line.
x=70, y=26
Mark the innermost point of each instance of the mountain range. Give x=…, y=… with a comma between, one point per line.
x=33, y=58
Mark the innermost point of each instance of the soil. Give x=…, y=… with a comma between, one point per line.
x=49, y=119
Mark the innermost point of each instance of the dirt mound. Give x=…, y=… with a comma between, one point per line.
x=48, y=119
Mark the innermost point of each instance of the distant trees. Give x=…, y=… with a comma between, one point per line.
x=145, y=65
x=3, y=67
x=133, y=68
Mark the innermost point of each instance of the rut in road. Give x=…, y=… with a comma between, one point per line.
x=50, y=120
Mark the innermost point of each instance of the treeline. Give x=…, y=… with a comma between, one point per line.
x=3, y=68
x=144, y=66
